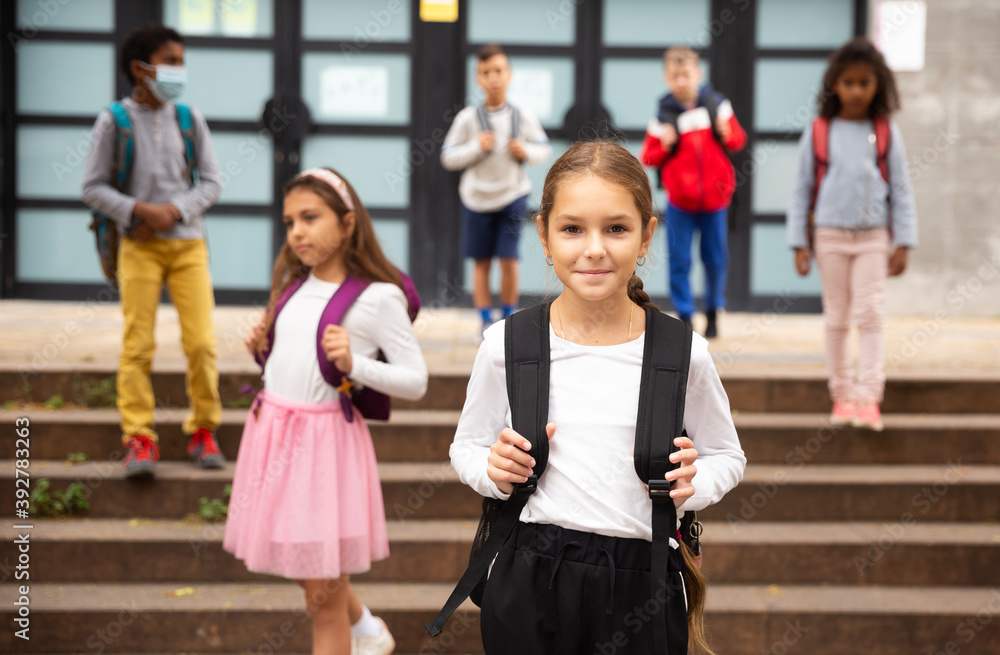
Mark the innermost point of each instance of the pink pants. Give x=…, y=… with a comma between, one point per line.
x=853, y=265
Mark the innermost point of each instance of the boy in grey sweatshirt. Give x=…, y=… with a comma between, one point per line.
x=492, y=142
x=160, y=217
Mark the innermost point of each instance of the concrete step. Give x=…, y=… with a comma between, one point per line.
x=859, y=553
x=952, y=492
x=743, y=619
x=424, y=436
x=766, y=390
x=409, y=435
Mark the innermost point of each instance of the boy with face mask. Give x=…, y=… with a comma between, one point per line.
x=159, y=213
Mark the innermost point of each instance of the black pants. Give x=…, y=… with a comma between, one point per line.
x=554, y=591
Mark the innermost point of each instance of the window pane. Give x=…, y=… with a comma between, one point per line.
x=56, y=245
x=243, y=18
x=394, y=237
x=378, y=167
x=366, y=88
x=543, y=85
x=359, y=22
x=240, y=252
x=246, y=166
x=60, y=79
x=90, y=16
x=658, y=23
x=772, y=268
x=632, y=88
x=50, y=161
x=785, y=93
x=804, y=23
x=544, y=22
x=229, y=84
x=772, y=175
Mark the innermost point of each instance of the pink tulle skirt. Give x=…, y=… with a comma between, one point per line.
x=306, y=501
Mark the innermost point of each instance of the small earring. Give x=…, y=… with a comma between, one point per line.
x=641, y=263
x=549, y=261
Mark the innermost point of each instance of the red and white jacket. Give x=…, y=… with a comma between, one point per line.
x=696, y=172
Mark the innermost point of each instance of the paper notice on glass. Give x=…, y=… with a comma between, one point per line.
x=354, y=91
x=196, y=16
x=900, y=33
x=239, y=18
x=531, y=88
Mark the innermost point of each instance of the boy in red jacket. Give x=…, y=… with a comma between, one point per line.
x=687, y=141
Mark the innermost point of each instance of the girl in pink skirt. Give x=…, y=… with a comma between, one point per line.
x=306, y=502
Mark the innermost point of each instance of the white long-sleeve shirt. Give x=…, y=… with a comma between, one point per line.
x=590, y=481
x=376, y=321
x=492, y=180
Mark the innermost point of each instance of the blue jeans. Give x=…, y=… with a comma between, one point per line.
x=714, y=227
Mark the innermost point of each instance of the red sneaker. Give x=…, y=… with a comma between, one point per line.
x=868, y=417
x=843, y=413
x=140, y=460
x=204, y=450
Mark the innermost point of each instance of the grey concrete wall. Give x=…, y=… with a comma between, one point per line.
x=951, y=125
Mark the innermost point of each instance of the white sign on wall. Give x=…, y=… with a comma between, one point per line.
x=900, y=33
x=531, y=88
x=354, y=91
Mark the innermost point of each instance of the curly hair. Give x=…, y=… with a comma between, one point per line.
x=142, y=42
x=859, y=51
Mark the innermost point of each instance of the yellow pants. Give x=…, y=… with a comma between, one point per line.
x=143, y=269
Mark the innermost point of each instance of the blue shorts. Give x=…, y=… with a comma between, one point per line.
x=494, y=234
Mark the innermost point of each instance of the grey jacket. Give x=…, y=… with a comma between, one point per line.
x=853, y=195
x=157, y=169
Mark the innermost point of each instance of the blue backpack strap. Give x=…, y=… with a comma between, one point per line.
x=515, y=122
x=124, y=146
x=186, y=124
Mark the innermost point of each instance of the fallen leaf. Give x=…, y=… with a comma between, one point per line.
x=183, y=591
x=775, y=590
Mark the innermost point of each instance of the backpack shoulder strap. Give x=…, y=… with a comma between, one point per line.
x=883, y=135
x=711, y=104
x=666, y=360
x=821, y=154
x=185, y=122
x=526, y=358
x=515, y=122
x=124, y=146
x=333, y=314
x=261, y=358
x=484, y=119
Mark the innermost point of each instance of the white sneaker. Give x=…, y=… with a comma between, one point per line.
x=380, y=644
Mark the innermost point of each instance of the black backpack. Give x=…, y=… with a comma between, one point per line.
x=665, y=361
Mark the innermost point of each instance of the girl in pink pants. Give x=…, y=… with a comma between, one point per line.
x=852, y=206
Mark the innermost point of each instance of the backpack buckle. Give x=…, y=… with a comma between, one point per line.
x=527, y=487
x=659, y=490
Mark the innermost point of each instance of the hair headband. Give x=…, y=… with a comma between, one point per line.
x=333, y=180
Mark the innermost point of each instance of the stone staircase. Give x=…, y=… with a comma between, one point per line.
x=837, y=541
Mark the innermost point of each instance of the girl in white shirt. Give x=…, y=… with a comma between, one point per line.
x=306, y=501
x=586, y=531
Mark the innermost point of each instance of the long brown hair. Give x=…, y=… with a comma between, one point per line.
x=612, y=163
x=363, y=256
x=859, y=50
x=616, y=165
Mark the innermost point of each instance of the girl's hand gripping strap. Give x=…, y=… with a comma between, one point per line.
x=345, y=295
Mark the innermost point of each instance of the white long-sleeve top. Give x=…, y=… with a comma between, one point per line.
x=590, y=482
x=376, y=321
x=492, y=180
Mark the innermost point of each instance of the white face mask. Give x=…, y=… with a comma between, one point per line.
x=169, y=82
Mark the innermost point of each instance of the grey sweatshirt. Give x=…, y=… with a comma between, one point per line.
x=853, y=195
x=157, y=169
x=492, y=180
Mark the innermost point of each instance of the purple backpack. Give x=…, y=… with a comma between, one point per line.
x=372, y=404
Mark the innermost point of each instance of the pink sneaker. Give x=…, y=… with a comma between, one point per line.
x=868, y=417
x=843, y=413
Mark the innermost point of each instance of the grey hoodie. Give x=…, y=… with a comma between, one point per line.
x=853, y=195
x=157, y=169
